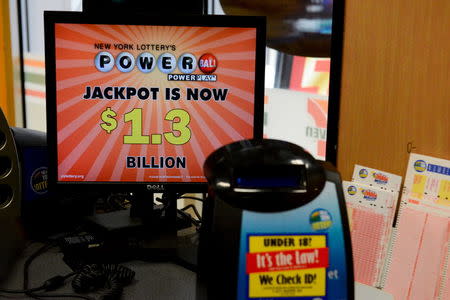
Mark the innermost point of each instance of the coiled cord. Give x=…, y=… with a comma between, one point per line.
x=109, y=278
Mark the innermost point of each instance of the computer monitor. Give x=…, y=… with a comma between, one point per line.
x=138, y=102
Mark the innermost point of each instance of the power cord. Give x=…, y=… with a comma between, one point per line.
x=196, y=222
x=197, y=214
x=190, y=197
x=28, y=262
x=49, y=285
x=113, y=202
x=106, y=279
x=40, y=296
x=8, y=291
x=110, y=278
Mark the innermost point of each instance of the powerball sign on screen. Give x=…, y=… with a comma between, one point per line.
x=150, y=103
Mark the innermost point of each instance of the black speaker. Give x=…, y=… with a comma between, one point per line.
x=10, y=173
x=23, y=172
x=11, y=233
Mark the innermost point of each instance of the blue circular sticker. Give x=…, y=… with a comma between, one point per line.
x=39, y=180
x=420, y=165
x=352, y=190
x=320, y=219
x=363, y=173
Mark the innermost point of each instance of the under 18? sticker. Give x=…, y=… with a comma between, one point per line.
x=287, y=266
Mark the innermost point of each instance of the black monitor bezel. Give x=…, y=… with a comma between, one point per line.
x=53, y=17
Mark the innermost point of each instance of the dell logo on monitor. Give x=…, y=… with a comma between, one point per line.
x=155, y=187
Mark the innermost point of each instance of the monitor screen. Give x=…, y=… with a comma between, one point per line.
x=147, y=99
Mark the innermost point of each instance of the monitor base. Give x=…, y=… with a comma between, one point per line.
x=141, y=232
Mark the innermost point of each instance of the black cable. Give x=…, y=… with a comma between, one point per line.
x=197, y=214
x=40, y=296
x=114, y=278
x=189, y=217
x=7, y=291
x=110, y=278
x=197, y=223
x=49, y=285
x=190, y=197
x=181, y=196
x=41, y=250
x=30, y=259
x=54, y=283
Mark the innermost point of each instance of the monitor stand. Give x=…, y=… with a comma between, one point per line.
x=145, y=231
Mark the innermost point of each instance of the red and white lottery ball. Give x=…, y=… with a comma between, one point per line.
x=207, y=63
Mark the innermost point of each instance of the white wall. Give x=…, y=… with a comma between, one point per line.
x=32, y=12
x=35, y=26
